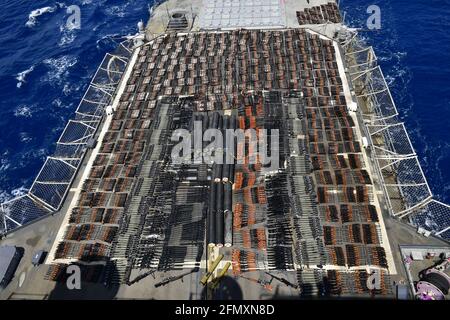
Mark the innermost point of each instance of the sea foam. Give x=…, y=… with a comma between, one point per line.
x=21, y=76
x=32, y=17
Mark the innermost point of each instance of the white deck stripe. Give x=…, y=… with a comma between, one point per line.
x=348, y=98
x=87, y=170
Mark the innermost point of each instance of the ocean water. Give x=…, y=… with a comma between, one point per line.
x=45, y=68
x=413, y=48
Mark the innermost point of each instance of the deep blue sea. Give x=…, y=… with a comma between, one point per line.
x=413, y=48
x=46, y=67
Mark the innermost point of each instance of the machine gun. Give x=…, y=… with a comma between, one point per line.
x=173, y=278
x=282, y=280
x=140, y=277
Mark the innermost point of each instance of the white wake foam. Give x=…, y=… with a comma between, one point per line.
x=59, y=68
x=6, y=196
x=23, y=111
x=118, y=11
x=21, y=76
x=68, y=35
x=32, y=17
x=25, y=137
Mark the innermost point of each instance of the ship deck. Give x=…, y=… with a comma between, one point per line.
x=134, y=212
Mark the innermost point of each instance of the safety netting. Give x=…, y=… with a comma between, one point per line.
x=49, y=189
x=396, y=162
x=434, y=217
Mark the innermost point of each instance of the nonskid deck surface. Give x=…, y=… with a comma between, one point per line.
x=139, y=211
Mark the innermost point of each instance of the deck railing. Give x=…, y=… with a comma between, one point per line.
x=52, y=184
x=397, y=164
